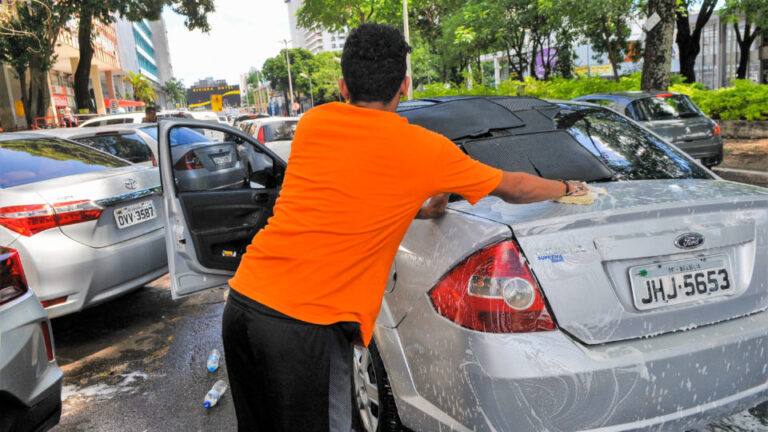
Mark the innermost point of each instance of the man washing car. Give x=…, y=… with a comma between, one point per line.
x=311, y=283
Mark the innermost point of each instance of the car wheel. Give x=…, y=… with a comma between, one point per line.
x=373, y=403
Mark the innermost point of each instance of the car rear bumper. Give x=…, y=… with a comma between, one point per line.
x=450, y=377
x=710, y=150
x=85, y=275
x=30, y=385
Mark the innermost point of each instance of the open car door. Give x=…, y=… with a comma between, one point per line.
x=219, y=188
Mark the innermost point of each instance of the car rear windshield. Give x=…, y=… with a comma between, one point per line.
x=126, y=146
x=179, y=135
x=629, y=151
x=279, y=131
x=30, y=160
x=664, y=107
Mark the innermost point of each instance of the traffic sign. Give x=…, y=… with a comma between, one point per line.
x=216, y=103
x=296, y=107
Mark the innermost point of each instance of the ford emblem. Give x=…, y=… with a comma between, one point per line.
x=690, y=240
x=130, y=184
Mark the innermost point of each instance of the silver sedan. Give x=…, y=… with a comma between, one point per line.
x=87, y=225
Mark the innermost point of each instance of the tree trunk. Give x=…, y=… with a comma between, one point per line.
x=658, y=47
x=687, y=46
x=83, y=71
x=532, y=65
x=22, y=73
x=741, y=71
x=744, y=42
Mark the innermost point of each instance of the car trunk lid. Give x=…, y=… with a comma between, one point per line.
x=584, y=257
x=129, y=198
x=683, y=130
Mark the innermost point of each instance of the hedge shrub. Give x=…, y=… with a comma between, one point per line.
x=745, y=100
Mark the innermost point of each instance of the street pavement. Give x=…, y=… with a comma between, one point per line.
x=138, y=364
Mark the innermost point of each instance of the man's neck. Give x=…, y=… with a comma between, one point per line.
x=390, y=106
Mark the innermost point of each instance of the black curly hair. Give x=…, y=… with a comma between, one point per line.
x=373, y=62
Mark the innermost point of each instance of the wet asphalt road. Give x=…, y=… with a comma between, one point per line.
x=138, y=364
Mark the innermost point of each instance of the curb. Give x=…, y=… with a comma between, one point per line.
x=746, y=176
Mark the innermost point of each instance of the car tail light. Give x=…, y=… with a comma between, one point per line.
x=493, y=291
x=717, y=130
x=664, y=95
x=12, y=281
x=188, y=162
x=154, y=161
x=260, y=136
x=33, y=218
x=47, y=339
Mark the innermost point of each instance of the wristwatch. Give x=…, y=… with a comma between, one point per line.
x=567, y=187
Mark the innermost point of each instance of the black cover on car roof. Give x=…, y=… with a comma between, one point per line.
x=471, y=116
x=552, y=155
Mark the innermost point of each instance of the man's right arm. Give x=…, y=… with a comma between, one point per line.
x=522, y=188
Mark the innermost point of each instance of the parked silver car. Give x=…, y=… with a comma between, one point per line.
x=673, y=116
x=645, y=310
x=30, y=380
x=87, y=225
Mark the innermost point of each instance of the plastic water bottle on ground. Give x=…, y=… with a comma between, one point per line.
x=213, y=360
x=215, y=393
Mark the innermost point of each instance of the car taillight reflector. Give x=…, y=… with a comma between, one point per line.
x=260, y=135
x=31, y=219
x=717, y=130
x=12, y=281
x=47, y=339
x=493, y=291
x=53, y=302
x=154, y=161
x=188, y=162
x=664, y=95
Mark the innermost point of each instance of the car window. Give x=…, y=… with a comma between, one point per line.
x=277, y=131
x=119, y=121
x=634, y=112
x=179, y=135
x=667, y=107
x=30, y=160
x=94, y=124
x=627, y=149
x=126, y=146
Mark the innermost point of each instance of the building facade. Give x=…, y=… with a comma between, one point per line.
x=199, y=94
x=315, y=40
x=144, y=50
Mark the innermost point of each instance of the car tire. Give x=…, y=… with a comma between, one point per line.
x=369, y=378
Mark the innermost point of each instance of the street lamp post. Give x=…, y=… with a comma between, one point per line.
x=290, y=83
x=408, y=56
x=311, y=97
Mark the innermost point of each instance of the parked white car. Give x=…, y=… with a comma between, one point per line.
x=134, y=117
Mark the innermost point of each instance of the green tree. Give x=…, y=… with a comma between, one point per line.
x=143, y=89
x=195, y=13
x=28, y=34
x=689, y=41
x=339, y=15
x=276, y=72
x=658, y=46
x=176, y=91
x=755, y=16
x=605, y=24
x=325, y=78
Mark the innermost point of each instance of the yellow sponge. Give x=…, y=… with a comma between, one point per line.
x=585, y=199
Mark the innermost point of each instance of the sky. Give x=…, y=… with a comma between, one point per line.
x=244, y=33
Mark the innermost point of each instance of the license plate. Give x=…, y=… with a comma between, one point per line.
x=134, y=214
x=222, y=159
x=675, y=282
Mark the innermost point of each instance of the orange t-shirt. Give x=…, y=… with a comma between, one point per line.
x=356, y=178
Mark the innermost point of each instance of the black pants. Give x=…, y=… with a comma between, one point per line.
x=286, y=374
